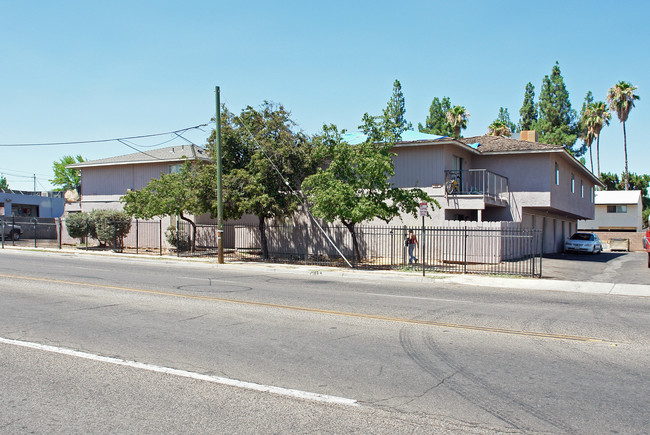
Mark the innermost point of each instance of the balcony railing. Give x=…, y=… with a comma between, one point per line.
x=476, y=182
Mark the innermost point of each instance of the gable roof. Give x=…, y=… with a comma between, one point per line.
x=408, y=136
x=161, y=155
x=499, y=144
x=494, y=145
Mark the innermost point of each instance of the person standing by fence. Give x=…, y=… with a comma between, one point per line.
x=412, y=243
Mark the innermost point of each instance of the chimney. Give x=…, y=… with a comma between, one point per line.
x=528, y=135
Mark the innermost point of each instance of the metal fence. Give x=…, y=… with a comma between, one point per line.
x=504, y=251
x=458, y=249
x=30, y=232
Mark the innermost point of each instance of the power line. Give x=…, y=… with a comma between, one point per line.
x=183, y=130
x=299, y=195
x=12, y=170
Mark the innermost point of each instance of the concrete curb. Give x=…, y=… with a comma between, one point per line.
x=522, y=283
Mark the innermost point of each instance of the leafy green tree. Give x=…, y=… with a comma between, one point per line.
x=356, y=186
x=504, y=117
x=3, y=183
x=264, y=160
x=611, y=181
x=436, y=123
x=528, y=111
x=498, y=128
x=636, y=182
x=556, y=122
x=457, y=118
x=66, y=179
x=393, y=115
x=170, y=195
x=621, y=99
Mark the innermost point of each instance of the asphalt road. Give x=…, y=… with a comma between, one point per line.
x=410, y=357
x=612, y=267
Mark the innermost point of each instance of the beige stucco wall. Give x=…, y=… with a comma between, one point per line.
x=116, y=180
x=579, y=202
x=419, y=166
x=632, y=220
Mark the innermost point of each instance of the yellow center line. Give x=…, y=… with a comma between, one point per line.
x=319, y=310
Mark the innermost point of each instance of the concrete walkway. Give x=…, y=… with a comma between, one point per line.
x=582, y=276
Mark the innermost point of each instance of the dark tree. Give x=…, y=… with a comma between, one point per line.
x=393, y=115
x=504, y=117
x=436, y=123
x=528, y=111
x=265, y=159
x=556, y=123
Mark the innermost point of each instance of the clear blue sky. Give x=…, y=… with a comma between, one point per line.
x=84, y=70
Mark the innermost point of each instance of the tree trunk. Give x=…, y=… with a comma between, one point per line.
x=356, y=254
x=591, y=159
x=193, y=225
x=263, y=240
x=598, y=156
x=627, y=174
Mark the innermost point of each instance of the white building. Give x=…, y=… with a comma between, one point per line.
x=616, y=210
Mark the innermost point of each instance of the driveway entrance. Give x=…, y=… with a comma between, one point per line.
x=612, y=267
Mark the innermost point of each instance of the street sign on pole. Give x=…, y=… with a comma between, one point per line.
x=423, y=209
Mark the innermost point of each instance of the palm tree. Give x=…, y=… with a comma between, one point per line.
x=621, y=100
x=498, y=128
x=589, y=139
x=598, y=117
x=457, y=118
x=587, y=131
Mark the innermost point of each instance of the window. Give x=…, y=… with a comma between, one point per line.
x=582, y=189
x=557, y=173
x=617, y=209
x=573, y=184
x=174, y=168
x=592, y=195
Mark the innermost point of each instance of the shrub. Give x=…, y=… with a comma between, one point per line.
x=79, y=225
x=171, y=234
x=111, y=226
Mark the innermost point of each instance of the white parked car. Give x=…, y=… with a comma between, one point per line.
x=584, y=242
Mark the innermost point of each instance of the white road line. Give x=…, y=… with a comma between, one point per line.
x=316, y=397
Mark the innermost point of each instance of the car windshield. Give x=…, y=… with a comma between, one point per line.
x=581, y=236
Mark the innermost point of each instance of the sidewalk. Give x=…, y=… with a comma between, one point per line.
x=602, y=288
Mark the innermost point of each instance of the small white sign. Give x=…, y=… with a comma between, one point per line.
x=423, y=209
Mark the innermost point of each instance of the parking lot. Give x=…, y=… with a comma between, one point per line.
x=612, y=267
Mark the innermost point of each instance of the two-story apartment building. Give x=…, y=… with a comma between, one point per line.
x=105, y=181
x=494, y=178
x=479, y=179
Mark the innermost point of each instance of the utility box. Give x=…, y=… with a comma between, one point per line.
x=619, y=245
